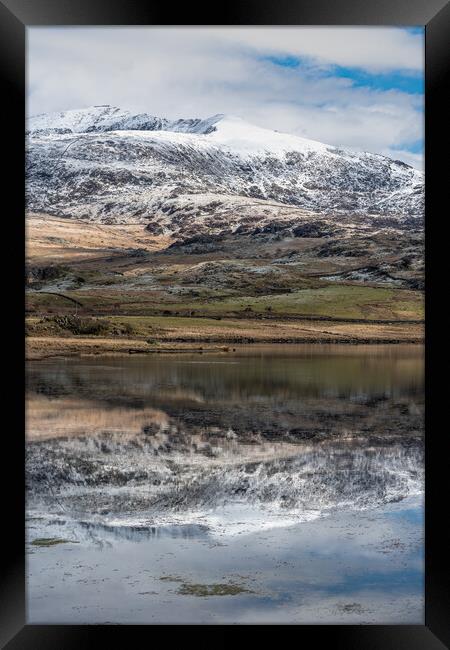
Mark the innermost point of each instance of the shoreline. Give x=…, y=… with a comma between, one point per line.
x=49, y=347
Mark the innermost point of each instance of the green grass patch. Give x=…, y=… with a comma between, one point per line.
x=148, y=325
x=339, y=301
x=334, y=300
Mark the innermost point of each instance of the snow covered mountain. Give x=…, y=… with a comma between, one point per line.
x=108, y=118
x=188, y=176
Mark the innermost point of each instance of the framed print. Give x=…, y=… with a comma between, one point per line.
x=229, y=393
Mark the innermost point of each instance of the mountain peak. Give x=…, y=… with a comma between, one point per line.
x=104, y=117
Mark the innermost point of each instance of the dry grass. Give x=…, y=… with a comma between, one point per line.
x=76, y=417
x=60, y=240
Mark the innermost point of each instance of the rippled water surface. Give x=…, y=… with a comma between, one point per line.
x=277, y=484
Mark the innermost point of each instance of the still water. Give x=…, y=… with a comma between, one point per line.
x=276, y=484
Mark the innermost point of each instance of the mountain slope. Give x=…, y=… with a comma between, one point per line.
x=185, y=177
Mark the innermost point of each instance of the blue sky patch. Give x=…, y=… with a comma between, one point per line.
x=407, y=82
x=413, y=147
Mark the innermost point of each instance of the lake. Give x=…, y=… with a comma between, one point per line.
x=275, y=484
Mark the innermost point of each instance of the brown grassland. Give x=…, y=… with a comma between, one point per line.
x=117, y=289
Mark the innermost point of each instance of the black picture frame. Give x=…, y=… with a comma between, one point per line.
x=15, y=16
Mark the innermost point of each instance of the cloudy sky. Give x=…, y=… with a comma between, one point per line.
x=350, y=86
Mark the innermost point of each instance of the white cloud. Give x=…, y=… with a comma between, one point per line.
x=413, y=159
x=190, y=72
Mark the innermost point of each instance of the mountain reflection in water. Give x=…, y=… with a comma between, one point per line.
x=160, y=440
